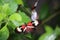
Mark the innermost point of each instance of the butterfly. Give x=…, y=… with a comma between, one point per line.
x=30, y=25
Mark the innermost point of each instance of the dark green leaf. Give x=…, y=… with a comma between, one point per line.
x=28, y=35
x=44, y=11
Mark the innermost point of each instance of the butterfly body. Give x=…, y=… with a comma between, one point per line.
x=28, y=27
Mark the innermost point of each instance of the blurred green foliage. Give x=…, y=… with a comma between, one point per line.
x=8, y=13
x=4, y=33
x=44, y=11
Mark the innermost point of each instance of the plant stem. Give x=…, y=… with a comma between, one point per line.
x=7, y=22
x=26, y=10
x=49, y=18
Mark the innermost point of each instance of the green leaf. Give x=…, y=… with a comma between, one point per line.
x=25, y=18
x=2, y=16
x=57, y=30
x=9, y=6
x=19, y=2
x=6, y=9
x=14, y=24
x=28, y=35
x=48, y=29
x=49, y=35
x=13, y=7
x=17, y=36
x=16, y=20
x=6, y=1
x=15, y=17
x=44, y=11
x=4, y=33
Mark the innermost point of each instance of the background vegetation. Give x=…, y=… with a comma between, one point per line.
x=12, y=15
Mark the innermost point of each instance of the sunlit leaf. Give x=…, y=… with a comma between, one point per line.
x=25, y=18
x=57, y=30
x=2, y=16
x=14, y=24
x=4, y=33
x=9, y=6
x=6, y=9
x=13, y=7
x=19, y=2
x=19, y=19
x=15, y=17
x=49, y=35
x=15, y=20
x=6, y=1
x=48, y=29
